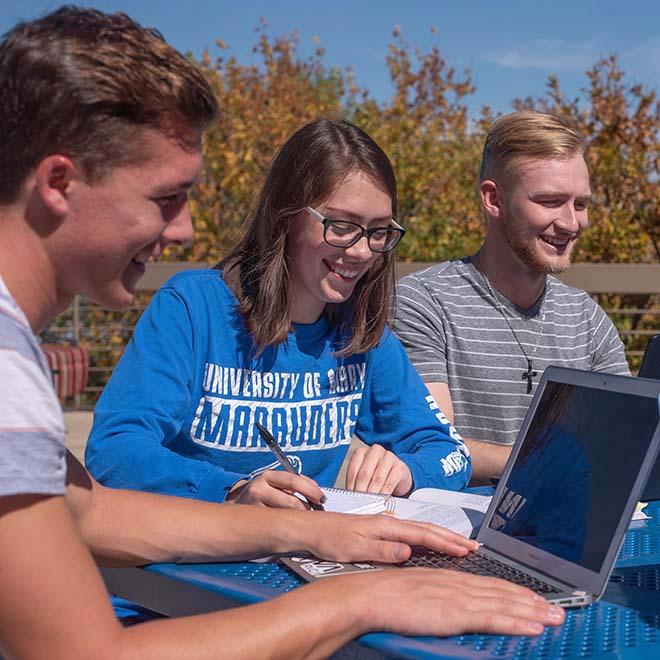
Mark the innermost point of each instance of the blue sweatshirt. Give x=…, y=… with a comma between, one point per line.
x=178, y=415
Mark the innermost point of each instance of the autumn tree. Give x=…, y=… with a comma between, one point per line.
x=435, y=146
x=425, y=129
x=622, y=125
x=261, y=105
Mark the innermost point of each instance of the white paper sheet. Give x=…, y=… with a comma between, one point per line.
x=451, y=517
x=453, y=498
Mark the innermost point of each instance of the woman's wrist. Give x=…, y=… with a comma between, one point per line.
x=236, y=489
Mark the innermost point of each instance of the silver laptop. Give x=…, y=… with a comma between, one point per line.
x=561, y=509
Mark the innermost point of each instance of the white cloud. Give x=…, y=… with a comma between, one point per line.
x=554, y=54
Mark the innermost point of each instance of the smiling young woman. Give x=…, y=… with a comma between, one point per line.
x=289, y=331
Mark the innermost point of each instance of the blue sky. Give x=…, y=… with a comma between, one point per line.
x=510, y=46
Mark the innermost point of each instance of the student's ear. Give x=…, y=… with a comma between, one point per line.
x=491, y=198
x=53, y=179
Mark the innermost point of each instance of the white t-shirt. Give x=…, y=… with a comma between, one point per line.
x=32, y=449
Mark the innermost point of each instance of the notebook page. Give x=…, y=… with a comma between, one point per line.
x=453, y=498
x=351, y=501
x=459, y=520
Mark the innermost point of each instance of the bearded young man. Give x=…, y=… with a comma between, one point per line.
x=481, y=330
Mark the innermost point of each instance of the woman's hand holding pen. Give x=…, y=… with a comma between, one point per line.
x=376, y=470
x=275, y=488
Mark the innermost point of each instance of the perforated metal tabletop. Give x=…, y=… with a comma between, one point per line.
x=624, y=624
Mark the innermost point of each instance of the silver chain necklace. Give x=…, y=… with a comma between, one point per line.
x=530, y=373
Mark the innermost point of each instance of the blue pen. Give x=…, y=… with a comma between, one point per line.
x=283, y=460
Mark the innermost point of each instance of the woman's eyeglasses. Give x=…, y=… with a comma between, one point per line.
x=343, y=234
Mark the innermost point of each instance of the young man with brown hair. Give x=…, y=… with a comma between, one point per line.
x=101, y=124
x=482, y=329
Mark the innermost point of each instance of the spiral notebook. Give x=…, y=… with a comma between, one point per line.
x=460, y=512
x=340, y=500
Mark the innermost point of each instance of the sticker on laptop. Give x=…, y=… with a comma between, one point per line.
x=310, y=568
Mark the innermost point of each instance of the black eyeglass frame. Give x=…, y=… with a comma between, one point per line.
x=327, y=222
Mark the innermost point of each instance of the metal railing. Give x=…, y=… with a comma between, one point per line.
x=629, y=293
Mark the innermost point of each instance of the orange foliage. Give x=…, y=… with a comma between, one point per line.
x=435, y=147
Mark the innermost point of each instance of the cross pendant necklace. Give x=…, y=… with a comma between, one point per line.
x=530, y=373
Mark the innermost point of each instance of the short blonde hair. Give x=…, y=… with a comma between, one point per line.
x=527, y=135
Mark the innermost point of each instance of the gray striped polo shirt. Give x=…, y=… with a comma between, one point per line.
x=32, y=451
x=454, y=333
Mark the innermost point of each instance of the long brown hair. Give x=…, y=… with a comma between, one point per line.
x=306, y=170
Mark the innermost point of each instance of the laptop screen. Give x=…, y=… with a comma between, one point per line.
x=650, y=367
x=575, y=470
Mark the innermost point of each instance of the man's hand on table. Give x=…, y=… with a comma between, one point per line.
x=346, y=537
x=425, y=601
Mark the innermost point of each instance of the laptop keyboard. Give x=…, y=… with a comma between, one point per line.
x=479, y=565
